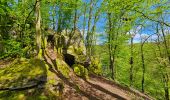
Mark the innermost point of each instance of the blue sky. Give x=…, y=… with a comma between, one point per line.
x=150, y=26
x=101, y=24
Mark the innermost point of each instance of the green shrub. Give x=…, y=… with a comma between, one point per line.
x=95, y=66
x=80, y=71
x=11, y=48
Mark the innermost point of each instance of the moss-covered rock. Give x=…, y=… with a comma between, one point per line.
x=63, y=67
x=80, y=71
x=22, y=73
x=95, y=66
x=72, y=42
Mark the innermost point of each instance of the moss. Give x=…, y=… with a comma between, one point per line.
x=51, y=77
x=80, y=71
x=18, y=74
x=81, y=58
x=71, y=51
x=78, y=50
x=40, y=54
x=95, y=66
x=63, y=67
x=77, y=89
x=20, y=70
x=33, y=94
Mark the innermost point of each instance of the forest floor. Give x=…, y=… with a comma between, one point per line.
x=93, y=88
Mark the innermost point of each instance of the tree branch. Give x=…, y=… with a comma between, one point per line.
x=158, y=21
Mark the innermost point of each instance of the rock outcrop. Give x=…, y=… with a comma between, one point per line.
x=71, y=44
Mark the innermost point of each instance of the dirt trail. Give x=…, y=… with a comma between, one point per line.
x=95, y=89
x=119, y=89
x=111, y=89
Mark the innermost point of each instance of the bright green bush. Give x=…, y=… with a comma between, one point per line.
x=11, y=48
x=80, y=71
x=95, y=66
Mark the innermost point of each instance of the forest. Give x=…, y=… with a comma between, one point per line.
x=84, y=50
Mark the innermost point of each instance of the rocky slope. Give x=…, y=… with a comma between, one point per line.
x=63, y=73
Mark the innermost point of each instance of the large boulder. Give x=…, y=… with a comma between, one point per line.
x=71, y=44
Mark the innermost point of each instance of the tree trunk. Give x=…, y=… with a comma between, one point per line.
x=166, y=87
x=165, y=43
x=88, y=30
x=93, y=35
x=75, y=17
x=111, y=47
x=54, y=15
x=165, y=76
x=143, y=68
x=84, y=19
x=131, y=63
x=38, y=28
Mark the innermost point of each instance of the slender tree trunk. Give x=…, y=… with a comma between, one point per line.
x=166, y=87
x=59, y=22
x=88, y=31
x=53, y=14
x=165, y=76
x=84, y=19
x=74, y=27
x=143, y=68
x=111, y=59
x=165, y=43
x=75, y=16
x=93, y=35
x=38, y=28
x=131, y=63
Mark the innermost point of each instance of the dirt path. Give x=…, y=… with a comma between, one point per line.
x=110, y=89
x=87, y=91
x=125, y=92
x=93, y=89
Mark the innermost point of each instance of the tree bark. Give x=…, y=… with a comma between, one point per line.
x=38, y=28
x=143, y=69
x=131, y=63
x=84, y=19
x=88, y=30
x=111, y=59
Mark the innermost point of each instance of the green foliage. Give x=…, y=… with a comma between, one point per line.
x=17, y=39
x=80, y=71
x=63, y=67
x=79, y=51
x=95, y=66
x=10, y=48
x=154, y=70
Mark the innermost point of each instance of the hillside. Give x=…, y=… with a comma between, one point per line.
x=37, y=82
x=84, y=50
